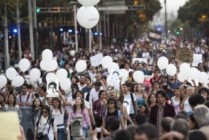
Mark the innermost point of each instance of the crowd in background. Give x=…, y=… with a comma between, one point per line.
x=160, y=108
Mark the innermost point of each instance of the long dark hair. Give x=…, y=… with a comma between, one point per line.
x=49, y=114
x=33, y=104
x=15, y=102
x=59, y=101
x=82, y=106
x=4, y=100
x=115, y=102
x=148, y=99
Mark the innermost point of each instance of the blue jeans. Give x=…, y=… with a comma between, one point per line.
x=85, y=132
x=61, y=134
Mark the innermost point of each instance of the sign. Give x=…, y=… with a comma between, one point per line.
x=77, y=127
x=184, y=55
x=96, y=60
x=52, y=87
x=155, y=35
x=141, y=60
x=197, y=58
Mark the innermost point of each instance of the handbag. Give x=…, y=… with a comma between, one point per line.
x=41, y=136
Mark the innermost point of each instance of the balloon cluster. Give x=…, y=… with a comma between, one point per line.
x=88, y=15
x=11, y=74
x=186, y=73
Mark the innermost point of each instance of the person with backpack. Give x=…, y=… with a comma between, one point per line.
x=46, y=126
x=112, y=111
x=78, y=120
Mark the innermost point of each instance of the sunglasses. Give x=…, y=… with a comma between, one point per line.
x=45, y=112
x=110, y=102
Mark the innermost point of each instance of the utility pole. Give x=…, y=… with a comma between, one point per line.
x=18, y=31
x=75, y=27
x=35, y=33
x=166, y=25
x=31, y=28
x=6, y=41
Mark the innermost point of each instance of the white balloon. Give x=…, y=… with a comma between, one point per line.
x=52, y=65
x=162, y=62
x=193, y=73
x=47, y=54
x=106, y=61
x=34, y=74
x=18, y=81
x=88, y=2
x=11, y=73
x=65, y=84
x=124, y=74
x=203, y=77
x=80, y=66
x=43, y=65
x=138, y=76
x=171, y=69
x=181, y=77
x=24, y=64
x=184, y=67
x=72, y=52
x=88, y=17
x=3, y=80
x=61, y=74
x=50, y=75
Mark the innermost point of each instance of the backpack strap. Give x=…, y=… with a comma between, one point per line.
x=132, y=100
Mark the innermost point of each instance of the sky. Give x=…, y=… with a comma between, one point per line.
x=173, y=5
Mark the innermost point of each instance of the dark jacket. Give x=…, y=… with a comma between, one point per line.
x=169, y=111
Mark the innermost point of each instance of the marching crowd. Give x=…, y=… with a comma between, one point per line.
x=161, y=107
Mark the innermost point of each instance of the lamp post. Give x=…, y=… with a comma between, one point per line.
x=166, y=25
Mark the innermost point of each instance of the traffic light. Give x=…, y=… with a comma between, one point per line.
x=135, y=2
x=38, y=10
x=177, y=32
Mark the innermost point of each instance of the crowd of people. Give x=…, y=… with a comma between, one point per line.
x=161, y=107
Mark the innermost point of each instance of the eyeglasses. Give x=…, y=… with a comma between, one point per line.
x=110, y=102
x=45, y=112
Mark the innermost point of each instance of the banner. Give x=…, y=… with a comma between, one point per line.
x=184, y=55
x=141, y=60
x=96, y=60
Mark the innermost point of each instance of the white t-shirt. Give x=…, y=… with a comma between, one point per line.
x=59, y=117
x=41, y=128
x=175, y=104
x=145, y=55
x=81, y=86
x=130, y=106
x=187, y=106
x=94, y=95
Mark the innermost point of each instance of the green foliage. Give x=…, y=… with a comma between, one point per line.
x=11, y=8
x=196, y=14
x=193, y=10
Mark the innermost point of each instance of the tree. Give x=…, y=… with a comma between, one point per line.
x=139, y=19
x=196, y=13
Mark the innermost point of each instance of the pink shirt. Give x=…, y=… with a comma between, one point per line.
x=84, y=114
